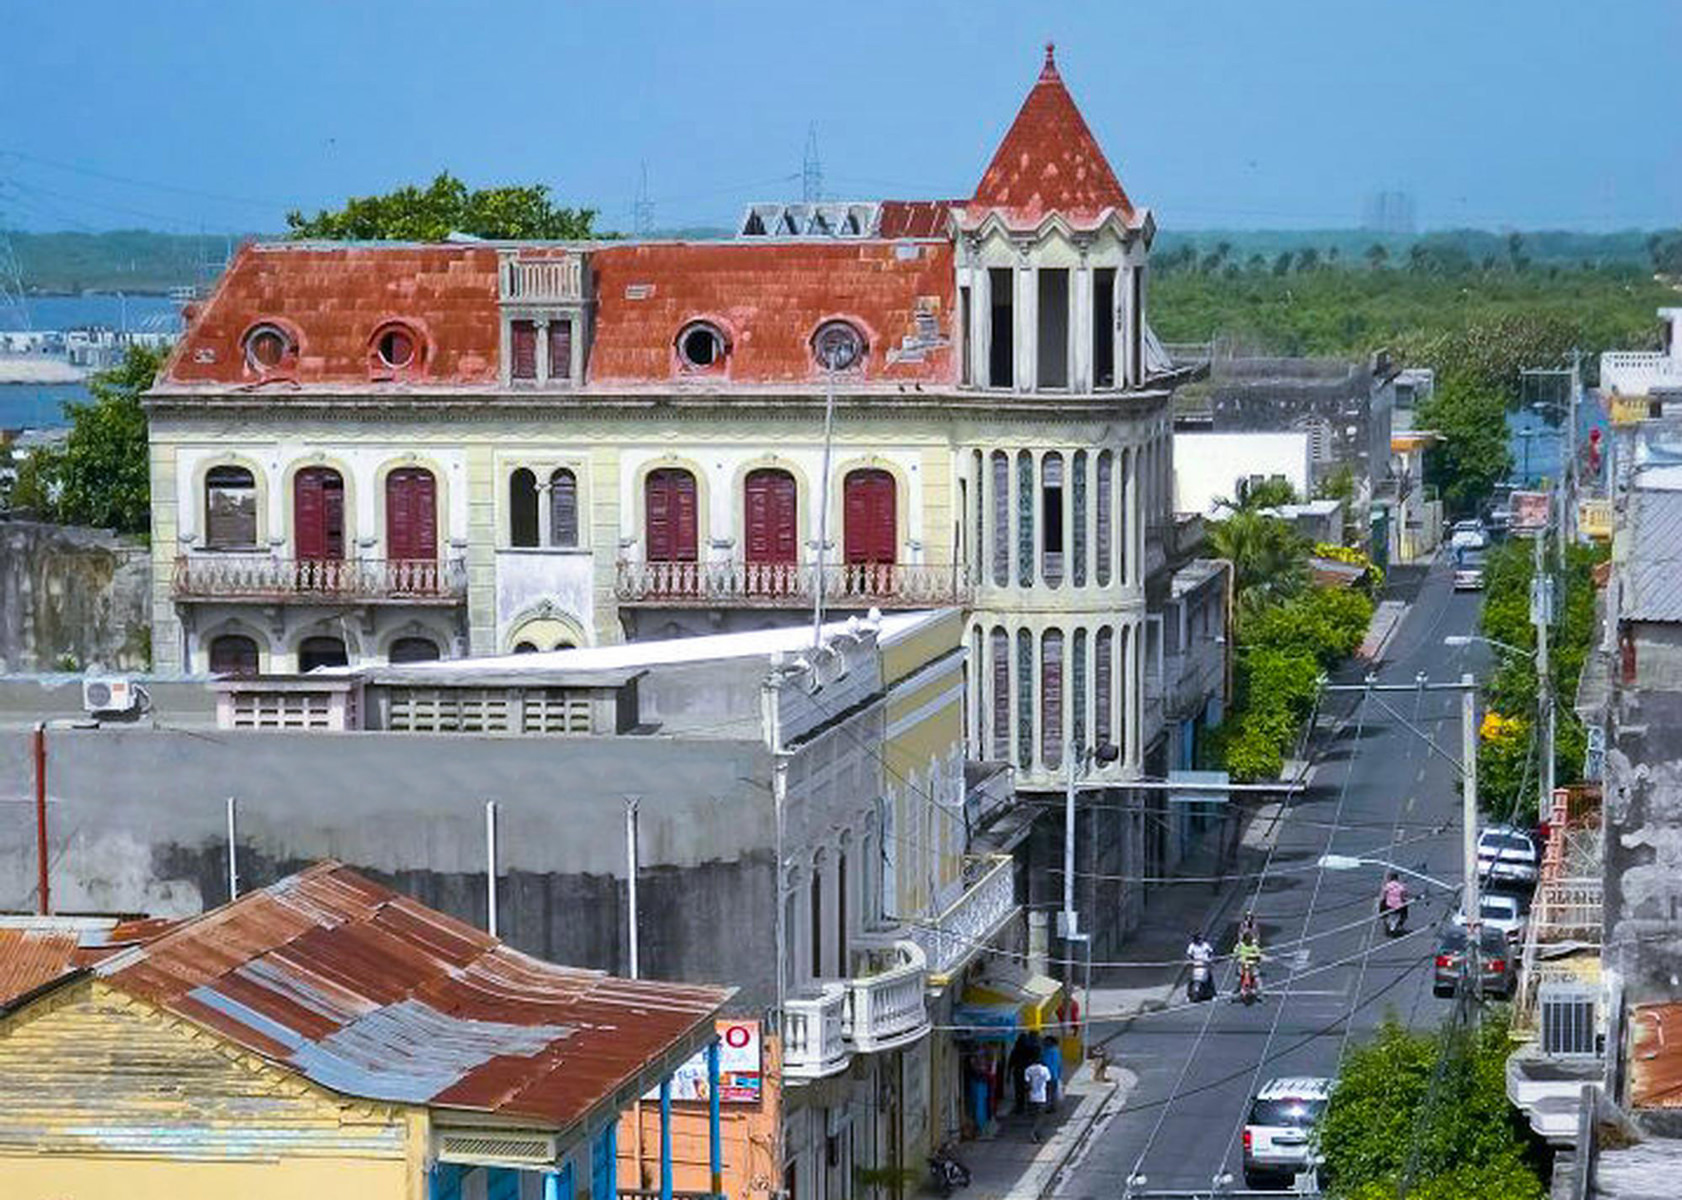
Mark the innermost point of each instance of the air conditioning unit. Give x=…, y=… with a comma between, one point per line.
x=1568, y=1019
x=102, y=696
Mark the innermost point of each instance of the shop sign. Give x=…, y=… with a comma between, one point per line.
x=740, y=1071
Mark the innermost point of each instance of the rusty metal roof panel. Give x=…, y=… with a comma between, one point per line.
x=373, y=995
x=1655, y=1066
x=32, y=957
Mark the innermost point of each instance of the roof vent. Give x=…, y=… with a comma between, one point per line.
x=493, y=1148
x=1568, y=1019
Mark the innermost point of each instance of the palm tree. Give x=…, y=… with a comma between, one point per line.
x=1269, y=560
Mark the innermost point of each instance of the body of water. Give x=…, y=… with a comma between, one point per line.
x=37, y=405
x=149, y=314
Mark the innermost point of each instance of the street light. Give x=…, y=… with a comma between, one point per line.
x=1467, y=639
x=1348, y=862
x=1068, y=921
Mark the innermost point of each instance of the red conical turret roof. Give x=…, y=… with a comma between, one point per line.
x=1049, y=162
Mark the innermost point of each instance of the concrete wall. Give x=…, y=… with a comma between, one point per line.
x=137, y=824
x=1210, y=466
x=72, y=594
x=1643, y=845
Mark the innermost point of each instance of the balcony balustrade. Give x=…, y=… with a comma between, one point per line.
x=813, y=1047
x=952, y=938
x=318, y=581
x=790, y=585
x=542, y=280
x=1638, y=372
x=886, y=1010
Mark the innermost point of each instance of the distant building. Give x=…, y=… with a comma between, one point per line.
x=1390, y=211
x=1639, y=384
x=328, y=1037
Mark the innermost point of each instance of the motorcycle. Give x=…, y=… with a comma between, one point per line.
x=1249, y=991
x=1201, y=985
x=1395, y=921
x=946, y=1172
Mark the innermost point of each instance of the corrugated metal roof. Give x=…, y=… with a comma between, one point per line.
x=1653, y=569
x=36, y=951
x=1655, y=1063
x=374, y=995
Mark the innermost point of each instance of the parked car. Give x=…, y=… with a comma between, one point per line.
x=1507, y=855
x=1468, y=535
x=1278, y=1135
x=1468, y=571
x=1498, y=962
x=1503, y=911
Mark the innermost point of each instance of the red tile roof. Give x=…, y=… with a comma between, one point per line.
x=915, y=218
x=376, y=996
x=335, y=299
x=768, y=299
x=1048, y=162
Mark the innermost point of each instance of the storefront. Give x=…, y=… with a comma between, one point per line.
x=1006, y=1017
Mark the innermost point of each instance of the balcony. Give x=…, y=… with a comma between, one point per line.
x=789, y=585
x=541, y=281
x=973, y=920
x=813, y=1047
x=885, y=1010
x=213, y=577
x=1639, y=372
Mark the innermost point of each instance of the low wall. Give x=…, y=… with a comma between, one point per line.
x=71, y=598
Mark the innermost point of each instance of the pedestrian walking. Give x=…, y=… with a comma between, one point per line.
x=1038, y=1078
x=1052, y=1056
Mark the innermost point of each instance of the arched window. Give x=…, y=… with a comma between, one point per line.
x=522, y=508
x=838, y=346
x=1077, y=692
x=267, y=348
x=870, y=516
x=413, y=650
x=411, y=514
x=318, y=514
x=1025, y=518
x=563, y=507
x=314, y=652
x=975, y=671
x=669, y=497
x=1051, y=697
x=815, y=912
x=396, y=347
x=979, y=487
x=1024, y=699
x=230, y=509
x=524, y=648
x=1124, y=519
x=1051, y=507
x=1077, y=518
x=1000, y=734
x=1103, y=686
x=701, y=346
x=1105, y=516
x=771, y=529
x=233, y=654
x=1001, y=518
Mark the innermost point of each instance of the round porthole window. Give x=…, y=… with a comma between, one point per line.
x=838, y=345
x=266, y=347
x=396, y=347
x=701, y=346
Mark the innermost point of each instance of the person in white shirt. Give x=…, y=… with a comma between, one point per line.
x=1038, y=1077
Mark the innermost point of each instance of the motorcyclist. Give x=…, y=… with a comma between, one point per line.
x=1394, y=899
x=1248, y=952
x=1199, y=952
x=1201, y=955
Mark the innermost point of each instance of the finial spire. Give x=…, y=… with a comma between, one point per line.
x=1050, y=67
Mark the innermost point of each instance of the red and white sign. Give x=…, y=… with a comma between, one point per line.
x=740, y=1071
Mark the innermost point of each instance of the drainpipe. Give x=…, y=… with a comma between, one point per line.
x=490, y=867
x=43, y=904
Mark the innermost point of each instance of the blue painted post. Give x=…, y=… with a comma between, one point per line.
x=551, y=1185
x=666, y=1138
x=715, y=1147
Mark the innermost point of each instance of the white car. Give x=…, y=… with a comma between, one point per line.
x=1497, y=910
x=1468, y=571
x=1507, y=855
x=1279, y=1132
x=1468, y=535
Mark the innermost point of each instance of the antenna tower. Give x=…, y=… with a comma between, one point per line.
x=642, y=210
x=811, y=170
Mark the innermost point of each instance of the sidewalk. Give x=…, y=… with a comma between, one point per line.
x=1012, y=1166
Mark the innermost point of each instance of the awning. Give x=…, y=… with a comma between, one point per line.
x=986, y=1022
x=1033, y=997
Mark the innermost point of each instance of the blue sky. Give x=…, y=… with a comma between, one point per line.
x=1282, y=114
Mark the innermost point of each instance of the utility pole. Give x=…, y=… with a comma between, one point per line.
x=1541, y=614
x=1469, y=821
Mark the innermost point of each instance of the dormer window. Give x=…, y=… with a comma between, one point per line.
x=701, y=346
x=396, y=347
x=267, y=348
x=838, y=346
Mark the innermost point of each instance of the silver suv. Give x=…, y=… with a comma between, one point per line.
x=1507, y=855
x=1278, y=1135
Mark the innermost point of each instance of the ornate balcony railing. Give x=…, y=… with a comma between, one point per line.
x=308, y=581
x=813, y=1046
x=542, y=279
x=1638, y=372
x=790, y=585
x=886, y=1010
x=952, y=938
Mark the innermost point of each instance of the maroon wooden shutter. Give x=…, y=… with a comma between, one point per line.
x=319, y=513
x=560, y=349
x=872, y=534
x=524, y=365
x=670, y=498
x=411, y=519
x=563, y=508
x=771, y=533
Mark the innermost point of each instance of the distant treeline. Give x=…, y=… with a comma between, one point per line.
x=1279, y=250
x=123, y=260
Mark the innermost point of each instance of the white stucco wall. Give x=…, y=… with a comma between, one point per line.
x=1209, y=466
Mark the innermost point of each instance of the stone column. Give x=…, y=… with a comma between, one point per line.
x=1080, y=329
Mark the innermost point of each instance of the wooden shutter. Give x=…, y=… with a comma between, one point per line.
x=524, y=359
x=670, y=498
x=1001, y=519
x=1051, y=697
x=1105, y=500
x=772, y=534
x=1103, y=721
x=318, y=513
x=563, y=508
x=872, y=534
x=560, y=349
x=411, y=520
x=233, y=654
x=1001, y=694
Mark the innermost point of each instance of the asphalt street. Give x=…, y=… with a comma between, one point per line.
x=1379, y=791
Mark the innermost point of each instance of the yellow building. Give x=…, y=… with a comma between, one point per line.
x=328, y=1038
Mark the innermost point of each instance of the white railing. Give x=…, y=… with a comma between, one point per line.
x=1569, y=909
x=886, y=1010
x=813, y=1045
x=791, y=585
x=1637, y=372
x=542, y=279
x=949, y=940
x=259, y=577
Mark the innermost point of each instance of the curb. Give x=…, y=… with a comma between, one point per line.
x=1112, y=1088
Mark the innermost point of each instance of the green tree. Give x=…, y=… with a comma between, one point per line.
x=1432, y=1110
x=1269, y=493
x=102, y=476
x=1269, y=560
x=1472, y=457
x=1377, y=257
x=447, y=206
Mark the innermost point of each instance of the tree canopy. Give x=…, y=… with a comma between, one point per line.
x=447, y=206
x=102, y=476
x=1472, y=457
